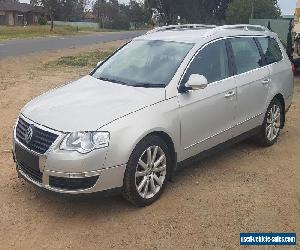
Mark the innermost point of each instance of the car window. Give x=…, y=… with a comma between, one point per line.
x=246, y=54
x=211, y=62
x=270, y=49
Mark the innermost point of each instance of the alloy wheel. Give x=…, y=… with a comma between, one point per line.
x=273, y=122
x=150, y=172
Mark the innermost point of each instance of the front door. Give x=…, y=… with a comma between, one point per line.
x=207, y=115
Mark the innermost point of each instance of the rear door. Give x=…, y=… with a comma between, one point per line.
x=280, y=67
x=252, y=81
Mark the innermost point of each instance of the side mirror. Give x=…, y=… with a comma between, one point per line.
x=196, y=82
x=99, y=63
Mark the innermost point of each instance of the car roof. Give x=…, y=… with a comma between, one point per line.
x=197, y=33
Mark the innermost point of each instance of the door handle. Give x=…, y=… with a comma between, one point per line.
x=266, y=81
x=230, y=94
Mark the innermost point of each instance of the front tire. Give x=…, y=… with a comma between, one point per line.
x=147, y=171
x=271, y=127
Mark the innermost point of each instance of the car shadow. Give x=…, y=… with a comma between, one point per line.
x=98, y=204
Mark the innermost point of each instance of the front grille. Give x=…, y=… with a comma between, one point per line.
x=72, y=183
x=28, y=163
x=41, y=140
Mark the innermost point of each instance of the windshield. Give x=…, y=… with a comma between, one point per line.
x=144, y=63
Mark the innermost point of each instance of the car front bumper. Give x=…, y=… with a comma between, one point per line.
x=103, y=180
x=67, y=172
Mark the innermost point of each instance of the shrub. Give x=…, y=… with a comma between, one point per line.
x=42, y=20
x=87, y=59
x=121, y=22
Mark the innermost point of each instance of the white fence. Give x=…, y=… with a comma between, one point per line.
x=77, y=24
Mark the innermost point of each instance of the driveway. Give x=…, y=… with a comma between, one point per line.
x=27, y=46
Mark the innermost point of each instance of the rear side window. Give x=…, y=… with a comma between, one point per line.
x=246, y=54
x=211, y=62
x=270, y=49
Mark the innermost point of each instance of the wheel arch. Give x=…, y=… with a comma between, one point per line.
x=169, y=141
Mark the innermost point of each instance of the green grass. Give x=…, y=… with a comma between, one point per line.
x=20, y=32
x=87, y=59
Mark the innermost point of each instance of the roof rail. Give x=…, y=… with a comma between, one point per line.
x=214, y=28
x=246, y=27
x=181, y=26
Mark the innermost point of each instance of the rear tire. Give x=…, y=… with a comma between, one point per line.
x=271, y=127
x=147, y=171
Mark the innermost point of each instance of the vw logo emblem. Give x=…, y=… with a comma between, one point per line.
x=28, y=135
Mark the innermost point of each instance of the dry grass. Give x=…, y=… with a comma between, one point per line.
x=86, y=59
x=22, y=32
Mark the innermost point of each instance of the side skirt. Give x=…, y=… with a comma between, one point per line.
x=218, y=148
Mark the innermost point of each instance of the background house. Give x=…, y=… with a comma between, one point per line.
x=15, y=13
x=89, y=16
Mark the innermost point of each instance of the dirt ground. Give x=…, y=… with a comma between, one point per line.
x=242, y=189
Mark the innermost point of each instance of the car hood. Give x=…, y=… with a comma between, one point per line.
x=88, y=104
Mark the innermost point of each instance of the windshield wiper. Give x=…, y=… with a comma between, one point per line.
x=111, y=80
x=104, y=79
x=148, y=85
x=140, y=85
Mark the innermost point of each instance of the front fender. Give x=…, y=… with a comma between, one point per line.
x=126, y=132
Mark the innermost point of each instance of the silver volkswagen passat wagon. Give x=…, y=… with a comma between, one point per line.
x=173, y=94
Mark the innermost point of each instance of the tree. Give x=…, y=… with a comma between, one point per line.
x=169, y=9
x=216, y=10
x=110, y=14
x=240, y=11
x=192, y=11
x=50, y=6
x=136, y=12
x=99, y=10
x=289, y=44
x=71, y=10
x=64, y=10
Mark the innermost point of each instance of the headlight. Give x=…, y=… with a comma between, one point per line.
x=85, y=142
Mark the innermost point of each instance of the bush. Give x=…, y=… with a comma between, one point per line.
x=87, y=59
x=121, y=22
x=42, y=20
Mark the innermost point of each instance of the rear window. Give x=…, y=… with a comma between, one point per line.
x=246, y=54
x=270, y=49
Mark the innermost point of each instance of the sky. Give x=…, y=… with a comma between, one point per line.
x=287, y=6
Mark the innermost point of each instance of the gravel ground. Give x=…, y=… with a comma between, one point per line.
x=242, y=189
